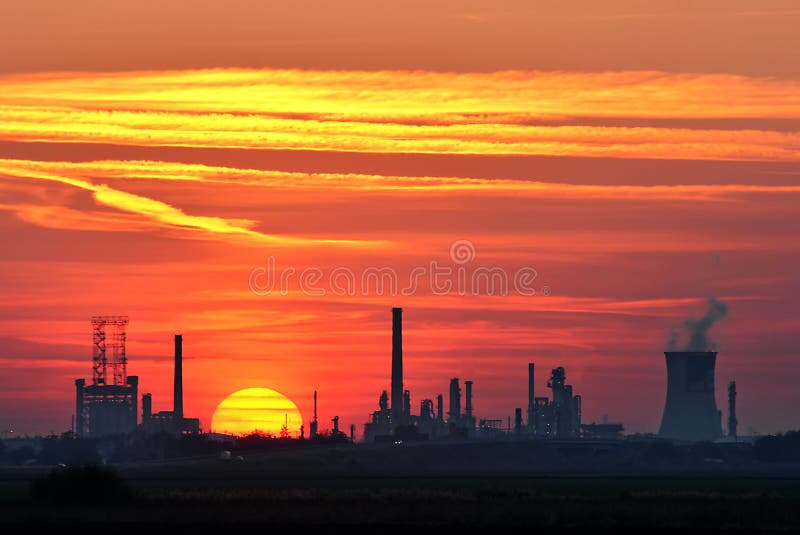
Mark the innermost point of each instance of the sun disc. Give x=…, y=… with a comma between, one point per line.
x=257, y=410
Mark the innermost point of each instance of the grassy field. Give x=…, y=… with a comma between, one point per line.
x=627, y=503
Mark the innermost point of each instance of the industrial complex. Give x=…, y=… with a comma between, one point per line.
x=110, y=404
x=558, y=416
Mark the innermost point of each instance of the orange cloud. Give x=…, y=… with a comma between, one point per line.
x=404, y=112
x=61, y=217
x=156, y=211
x=78, y=172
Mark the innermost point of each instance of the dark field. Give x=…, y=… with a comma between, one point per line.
x=765, y=504
x=571, y=485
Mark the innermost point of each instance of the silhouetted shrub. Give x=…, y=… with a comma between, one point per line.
x=87, y=484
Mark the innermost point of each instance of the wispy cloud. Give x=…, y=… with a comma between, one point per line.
x=155, y=211
x=405, y=112
x=79, y=173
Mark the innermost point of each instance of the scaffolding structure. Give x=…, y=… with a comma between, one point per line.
x=108, y=350
x=108, y=406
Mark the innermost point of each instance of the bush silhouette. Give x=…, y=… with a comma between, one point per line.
x=87, y=484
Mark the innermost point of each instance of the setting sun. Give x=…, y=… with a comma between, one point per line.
x=257, y=410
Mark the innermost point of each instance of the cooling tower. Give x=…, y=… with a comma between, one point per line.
x=690, y=412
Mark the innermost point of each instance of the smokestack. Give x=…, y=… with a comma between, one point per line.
x=133, y=415
x=177, y=389
x=312, y=431
x=518, y=420
x=147, y=409
x=690, y=412
x=407, y=403
x=440, y=408
x=352, y=432
x=79, y=386
x=468, y=406
x=531, y=399
x=397, y=365
x=732, y=421
x=455, y=400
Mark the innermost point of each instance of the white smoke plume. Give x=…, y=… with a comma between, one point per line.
x=697, y=329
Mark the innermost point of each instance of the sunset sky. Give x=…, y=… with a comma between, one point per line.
x=158, y=157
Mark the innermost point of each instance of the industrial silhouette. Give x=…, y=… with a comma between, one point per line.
x=172, y=421
x=732, y=421
x=690, y=412
x=109, y=405
x=556, y=417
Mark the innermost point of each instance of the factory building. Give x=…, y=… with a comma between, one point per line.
x=172, y=422
x=559, y=417
x=458, y=423
x=108, y=405
x=393, y=420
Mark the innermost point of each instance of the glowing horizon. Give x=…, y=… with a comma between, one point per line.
x=152, y=158
x=257, y=410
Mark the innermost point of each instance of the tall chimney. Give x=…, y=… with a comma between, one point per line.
x=440, y=408
x=531, y=399
x=80, y=384
x=177, y=389
x=312, y=431
x=397, y=365
x=455, y=400
x=468, y=406
x=147, y=409
x=133, y=414
x=732, y=421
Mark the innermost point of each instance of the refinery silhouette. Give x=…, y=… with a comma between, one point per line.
x=109, y=405
x=407, y=468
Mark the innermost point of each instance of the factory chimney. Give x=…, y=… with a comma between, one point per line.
x=312, y=431
x=397, y=366
x=177, y=389
x=440, y=408
x=455, y=400
x=531, y=400
x=732, y=421
x=80, y=384
x=468, y=406
x=690, y=412
x=147, y=409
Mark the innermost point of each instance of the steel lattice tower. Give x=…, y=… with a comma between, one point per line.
x=108, y=350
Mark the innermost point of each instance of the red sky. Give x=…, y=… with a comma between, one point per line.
x=639, y=158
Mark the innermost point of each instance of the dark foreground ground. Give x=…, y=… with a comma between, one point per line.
x=569, y=486
x=565, y=503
